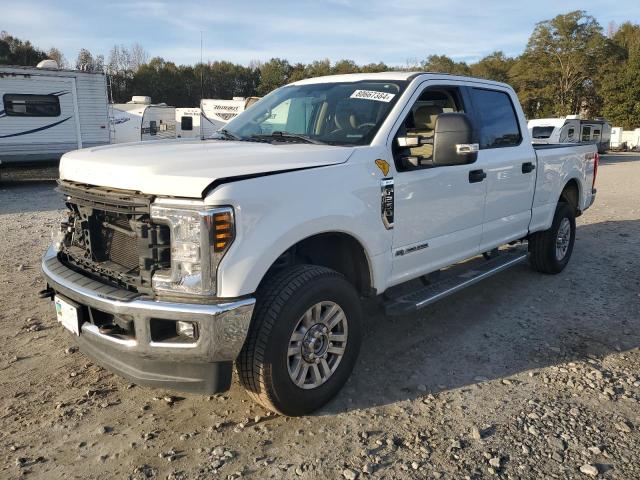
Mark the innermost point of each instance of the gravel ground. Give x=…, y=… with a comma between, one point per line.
x=521, y=376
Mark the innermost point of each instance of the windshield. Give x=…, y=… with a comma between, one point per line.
x=332, y=113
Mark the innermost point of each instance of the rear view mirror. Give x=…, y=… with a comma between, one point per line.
x=453, y=140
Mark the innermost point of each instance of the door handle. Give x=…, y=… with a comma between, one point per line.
x=528, y=167
x=476, y=176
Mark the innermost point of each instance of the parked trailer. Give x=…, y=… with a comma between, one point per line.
x=139, y=120
x=625, y=139
x=217, y=113
x=571, y=129
x=46, y=112
x=188, y=122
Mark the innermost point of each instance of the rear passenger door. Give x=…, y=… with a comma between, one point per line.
x=509, y=164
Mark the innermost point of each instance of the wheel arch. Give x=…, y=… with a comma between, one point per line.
x=572, y=194
x=339, y=251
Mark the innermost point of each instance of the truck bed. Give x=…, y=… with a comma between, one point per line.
x=550, y=146
x=558, y=165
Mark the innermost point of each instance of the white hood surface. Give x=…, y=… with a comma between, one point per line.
x=186, y=168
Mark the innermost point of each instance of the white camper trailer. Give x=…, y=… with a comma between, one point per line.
x=46, y=112
x=188, y=122
x=139, y=120
x=217, y=113
x=625, y=139
x=571, y=129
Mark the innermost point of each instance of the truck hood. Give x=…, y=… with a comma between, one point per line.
x=186, y=168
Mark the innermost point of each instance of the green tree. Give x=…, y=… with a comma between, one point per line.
x=273, y=74
x=495, y=66
x=557, y=73
x=374, y=68
x=620, y=78
x=162, y=81
x=14, y=51
x=344, y=66
x=318, y=68
x=445, y=64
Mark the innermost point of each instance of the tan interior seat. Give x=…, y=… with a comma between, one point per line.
x=424, y=119
x=345, y=120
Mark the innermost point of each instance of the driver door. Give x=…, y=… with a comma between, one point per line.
x=438, y=209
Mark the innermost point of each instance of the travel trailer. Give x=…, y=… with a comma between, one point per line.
x=188, y=122
x=139, y=120
x=46, y=112
x=571, y=129
x=625, y=139
x=217, y=113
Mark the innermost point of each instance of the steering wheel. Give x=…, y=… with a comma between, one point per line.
x=368, y=125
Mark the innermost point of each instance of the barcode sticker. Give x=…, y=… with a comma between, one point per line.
x=373, y=95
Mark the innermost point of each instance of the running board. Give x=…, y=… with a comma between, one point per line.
x=452, y=283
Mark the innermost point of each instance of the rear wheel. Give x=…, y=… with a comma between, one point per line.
x=303, y=341
x=550, y=251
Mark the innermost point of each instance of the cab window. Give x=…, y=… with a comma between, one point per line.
x=497, y=118
x=421, y=122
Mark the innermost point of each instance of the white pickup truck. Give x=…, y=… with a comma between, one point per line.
x=179, y=258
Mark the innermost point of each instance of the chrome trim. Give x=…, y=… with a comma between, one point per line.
x=462, y=148
x=471, y=281
x=223, y=326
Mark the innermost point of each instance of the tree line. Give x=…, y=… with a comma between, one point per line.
x=570, y=65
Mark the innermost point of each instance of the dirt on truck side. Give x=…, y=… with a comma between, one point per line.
x=521, y=376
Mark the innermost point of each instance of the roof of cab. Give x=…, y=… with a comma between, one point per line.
x=390, y=76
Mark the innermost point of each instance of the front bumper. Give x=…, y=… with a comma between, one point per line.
x=203, y=366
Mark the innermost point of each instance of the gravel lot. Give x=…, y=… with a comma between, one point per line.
x=521, y=376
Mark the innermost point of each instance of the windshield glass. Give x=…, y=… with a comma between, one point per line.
x=332, y=113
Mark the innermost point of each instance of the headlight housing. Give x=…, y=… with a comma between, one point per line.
x=199, y=239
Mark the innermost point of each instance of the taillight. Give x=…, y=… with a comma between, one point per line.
x=596, y=161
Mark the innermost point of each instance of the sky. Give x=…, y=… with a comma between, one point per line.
x=395, y=32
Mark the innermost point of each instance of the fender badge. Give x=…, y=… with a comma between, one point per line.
x=383, y=166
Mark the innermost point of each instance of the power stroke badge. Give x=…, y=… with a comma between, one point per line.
x=386, y=202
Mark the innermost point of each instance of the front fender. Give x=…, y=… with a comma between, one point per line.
x=274, y=213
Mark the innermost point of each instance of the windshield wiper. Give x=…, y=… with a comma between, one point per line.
x=227, y=135
x=288, y=136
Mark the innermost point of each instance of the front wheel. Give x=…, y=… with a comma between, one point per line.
x=550, y=251
x=303, y=342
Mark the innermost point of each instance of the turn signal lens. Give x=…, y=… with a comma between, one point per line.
x=223, y=231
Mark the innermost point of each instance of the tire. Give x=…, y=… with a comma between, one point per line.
x=266, y=367
x=543, y=254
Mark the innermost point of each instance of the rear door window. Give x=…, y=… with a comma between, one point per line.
x=498, y=123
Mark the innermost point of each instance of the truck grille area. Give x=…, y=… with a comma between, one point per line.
x=109, y=236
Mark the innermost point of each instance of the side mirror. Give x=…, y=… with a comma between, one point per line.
x=453, y=140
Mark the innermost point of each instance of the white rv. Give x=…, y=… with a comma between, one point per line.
x=46, y=112
x=625, y=139
x=571, y=129
x=188, y=122
x=217, y=113
x=139, y=120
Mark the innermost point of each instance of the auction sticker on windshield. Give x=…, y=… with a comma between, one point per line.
x=373, y=95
